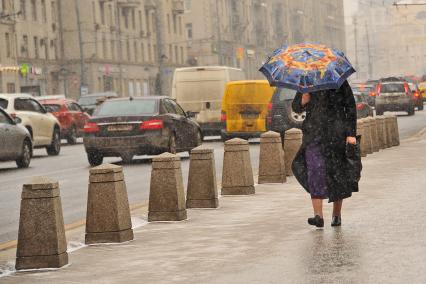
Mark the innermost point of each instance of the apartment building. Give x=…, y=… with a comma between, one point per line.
x=242, y=33
x=129, y=46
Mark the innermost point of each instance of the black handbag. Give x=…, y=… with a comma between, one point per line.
x=353, y=157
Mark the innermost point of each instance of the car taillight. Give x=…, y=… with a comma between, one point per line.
x=360, y=106
x=223, y=116
x=91, y=127
x=372, y=94
x=379, y=89
x=416, y=94
x=152, y=125
x=406, y=88
x=270, y=106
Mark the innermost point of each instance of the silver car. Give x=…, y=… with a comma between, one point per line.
x=15, y=141
x=394, y=96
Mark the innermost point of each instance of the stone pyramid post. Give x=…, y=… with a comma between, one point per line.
x=374, y=134
x=380, y=132
x=41, y=237
x=389, y=131
x=360, y=131
x=395, y=140
x=237, y=176
x=166, y=195
x=292, y=143
x=368, y=143
x=202, y=184
x=108, y=212
x=271, y=162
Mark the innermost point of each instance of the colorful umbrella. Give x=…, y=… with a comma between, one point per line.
x=307, y=68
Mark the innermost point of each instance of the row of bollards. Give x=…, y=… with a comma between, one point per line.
x=378, y=133
x=42, y=241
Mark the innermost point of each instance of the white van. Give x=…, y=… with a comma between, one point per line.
x=199, y=90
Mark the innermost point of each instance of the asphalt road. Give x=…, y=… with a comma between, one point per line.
x=72, y=171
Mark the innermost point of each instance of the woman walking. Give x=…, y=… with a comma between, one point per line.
x=321, y=165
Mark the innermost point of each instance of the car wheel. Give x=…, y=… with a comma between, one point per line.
x=379, y=111
x=95, y=159
x=24, y=160
x=421, y=107
x=224, y=137
x=172, y=144
x=411, y=111
x=127, y=158
x=72, y=136
x=199, y=138
x=55, y=146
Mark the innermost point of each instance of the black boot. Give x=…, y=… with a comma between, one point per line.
x=336, y=221
x=316, y=221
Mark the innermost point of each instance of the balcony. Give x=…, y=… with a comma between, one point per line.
x=178, y=7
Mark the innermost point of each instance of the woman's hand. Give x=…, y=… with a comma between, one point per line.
x=306, y=98
x=351, y=140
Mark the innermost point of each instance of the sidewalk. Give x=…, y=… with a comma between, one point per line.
x=265, y=239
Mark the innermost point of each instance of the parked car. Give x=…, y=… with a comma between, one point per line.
x=89, y=102
x=281, y=116
x=70, y=115
x=200, y=90
x=245, y=108
x=417, y=97
x=394, y=95
x=126, y=127
x=363, y=109
x=44, y=128
x=15, y=141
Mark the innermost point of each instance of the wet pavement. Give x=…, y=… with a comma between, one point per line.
x=264, y=238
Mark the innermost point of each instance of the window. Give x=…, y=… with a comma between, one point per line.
x=104, y=47
x=24, y=47
x=174, y=24
x=168, y=23
x=36, y=53
x=149, y=53
x=176, y=54
x=133, y=20
x=136, y=51
x=188, y=5
x=148, y=27
x=128, y=50
x=113, y=49
x=27, y=105
x=11, y=89
x=177, y=108
x=125, y=15
x=4, y=103
x=46, y=48
x=43, y=11
x=34, y=10
x=4, y=119
x=3, y=5
x=23, y=8
x=102, y=10
x=54, y=11
x=140, y=21
x=142, y=52
x=94, y=12
x=182, y=55
x=8, y=45
x=180, y=25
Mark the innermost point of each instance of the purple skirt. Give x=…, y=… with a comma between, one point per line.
x=317, y=174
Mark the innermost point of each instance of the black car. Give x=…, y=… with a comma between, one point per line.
x=127, y=127
x=281, y=116
x=368, y=91
x=15, y=141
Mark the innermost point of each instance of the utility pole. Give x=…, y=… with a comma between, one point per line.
x=355, y=21
x=80, y=42
x=120, y=47
x=219, y=34
x=161, y=81
x=370, y=65
x=63, y=70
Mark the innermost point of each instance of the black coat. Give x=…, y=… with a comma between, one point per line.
x=330, y=118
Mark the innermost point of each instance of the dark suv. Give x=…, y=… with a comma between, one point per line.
x=281, y=116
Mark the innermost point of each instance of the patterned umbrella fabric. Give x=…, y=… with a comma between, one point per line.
x=307, y=68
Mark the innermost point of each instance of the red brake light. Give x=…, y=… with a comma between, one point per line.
x=379, y=89
x=270, y=106
x=406, y=88
x=91, y=127
x=416, y=94
x=152, y=125
x=360, y=106
x=372, y=94
x=223, y=117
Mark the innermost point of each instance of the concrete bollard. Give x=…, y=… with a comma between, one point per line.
x=389, y=131
x=374, y=134
x=271, y=162
x=360, y=131
x=202, y=185
x=166, y=195
x=395, y=140
x=381, y=133
x=237, y=176
x=292, y=143
x=41, y=237
x=368, y=143
x=108, y=212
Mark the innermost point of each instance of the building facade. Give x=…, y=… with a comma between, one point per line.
x=242, y=33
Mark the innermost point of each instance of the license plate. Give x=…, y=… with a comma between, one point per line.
x=115, y=128
x=250, y=116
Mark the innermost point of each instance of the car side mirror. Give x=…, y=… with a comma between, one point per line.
x=17, y=120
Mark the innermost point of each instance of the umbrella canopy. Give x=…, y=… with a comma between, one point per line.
x=307, y=68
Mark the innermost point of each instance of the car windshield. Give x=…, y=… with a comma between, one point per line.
x=128, y=108
x=362, y=89
x=393, y=88
x=3, y=103
x=86, y=101
x=285, y=94
x=52, y=108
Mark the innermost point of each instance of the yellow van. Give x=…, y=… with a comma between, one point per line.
x=245, y=108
